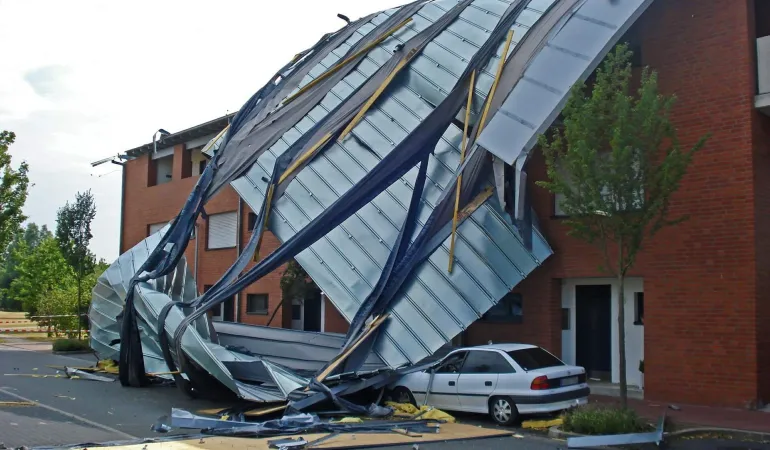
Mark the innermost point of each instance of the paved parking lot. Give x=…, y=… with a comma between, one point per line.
x=80, y=411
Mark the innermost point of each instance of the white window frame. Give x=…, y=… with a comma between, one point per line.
x=222, y=231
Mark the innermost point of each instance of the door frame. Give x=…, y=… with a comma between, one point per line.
x=634, y=333
x=301, y=303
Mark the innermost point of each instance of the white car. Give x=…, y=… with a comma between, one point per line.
x=503, y=380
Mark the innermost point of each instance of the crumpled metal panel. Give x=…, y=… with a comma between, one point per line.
x=571, y=53
x=298, y=350
x=434, y=305
x=150, y=297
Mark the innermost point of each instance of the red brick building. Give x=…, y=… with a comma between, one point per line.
x=704, y=329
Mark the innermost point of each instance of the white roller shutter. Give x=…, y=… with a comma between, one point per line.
x=155, y=227
x=222, y=230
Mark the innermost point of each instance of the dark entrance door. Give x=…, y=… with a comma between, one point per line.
x=313, y=312
x=593, y=330
x=229, y=310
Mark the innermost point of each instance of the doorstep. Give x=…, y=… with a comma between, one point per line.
x=607, y=389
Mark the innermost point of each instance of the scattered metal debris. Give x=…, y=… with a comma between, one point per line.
x=77, y=373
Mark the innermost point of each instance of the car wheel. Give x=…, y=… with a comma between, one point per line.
x=503, y=411
x=403, y=395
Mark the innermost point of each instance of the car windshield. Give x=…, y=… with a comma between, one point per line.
x=534, y=358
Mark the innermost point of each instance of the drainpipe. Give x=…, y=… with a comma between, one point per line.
x=195, y=272
x=239, y=228
x=122, y=207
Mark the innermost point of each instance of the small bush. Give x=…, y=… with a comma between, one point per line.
x=70, y=345
x=598, y=420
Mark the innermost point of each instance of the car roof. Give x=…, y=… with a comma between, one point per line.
x=502, y=347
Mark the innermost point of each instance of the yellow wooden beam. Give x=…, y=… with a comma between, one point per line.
x=268, y=202
x=460, y=176
x=479, y=127
x=347, y=60
x=360, y=115
x=303, y=158
x=491, y=95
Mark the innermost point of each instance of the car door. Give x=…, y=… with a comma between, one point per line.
x=442, y=389
x=478, y=379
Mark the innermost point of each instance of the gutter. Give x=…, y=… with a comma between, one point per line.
x=239, y=233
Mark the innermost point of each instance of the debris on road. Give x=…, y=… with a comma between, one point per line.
x=16, y=403
x=542, y=424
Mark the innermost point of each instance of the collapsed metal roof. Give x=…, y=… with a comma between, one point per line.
x=304, y=152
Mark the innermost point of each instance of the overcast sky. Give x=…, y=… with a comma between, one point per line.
x=81, y=80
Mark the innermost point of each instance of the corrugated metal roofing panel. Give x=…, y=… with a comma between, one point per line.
x=434, y=306
x=571, y=53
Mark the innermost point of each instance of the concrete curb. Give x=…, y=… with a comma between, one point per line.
x=733, y=431
x=556, y=433
x=79, y=352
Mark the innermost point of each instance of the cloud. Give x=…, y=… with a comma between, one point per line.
x=49, y=81
x=91, y=79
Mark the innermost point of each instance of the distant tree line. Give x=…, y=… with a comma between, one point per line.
x=44, y=273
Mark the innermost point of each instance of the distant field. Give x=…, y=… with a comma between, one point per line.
x=12, y=315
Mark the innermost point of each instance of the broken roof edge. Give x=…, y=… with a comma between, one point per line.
x=197, y=131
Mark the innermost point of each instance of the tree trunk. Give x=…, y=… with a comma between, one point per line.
x=622, y=340
x=80, y=278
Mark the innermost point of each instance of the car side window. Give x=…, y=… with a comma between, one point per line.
x=481, y=361
x=452, y=364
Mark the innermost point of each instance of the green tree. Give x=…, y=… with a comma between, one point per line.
x=13, y=191
x=40, y=272
x=616, y=163
x=17, y=250
x=73, y=232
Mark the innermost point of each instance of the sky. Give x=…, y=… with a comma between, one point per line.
x=82, y=80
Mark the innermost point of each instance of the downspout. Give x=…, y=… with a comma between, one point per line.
x=122, y=206
x=195, y=268
x=239, y=232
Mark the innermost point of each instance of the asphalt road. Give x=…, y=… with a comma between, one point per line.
x=80, y=411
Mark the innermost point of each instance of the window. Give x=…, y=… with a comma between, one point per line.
x=565, y=319
x=534, y=358
x=201, y=166
x=481, y=361
x=252, y=221
x=155, y=227
x=636, y=201
x=452, y=364
x=639, y=308
x=160, y=168
x=256, y=304
x=509, y=309
x=296, y=311
x=222, y=229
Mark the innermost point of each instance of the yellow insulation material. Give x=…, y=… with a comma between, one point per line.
x=425, y=412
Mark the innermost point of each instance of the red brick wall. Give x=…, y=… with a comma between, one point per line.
x=762, y=213
x=147, y=205
x=701, y=278
x=335, y=323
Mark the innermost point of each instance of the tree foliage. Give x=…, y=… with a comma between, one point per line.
x=617, y=161
x=296, y=283
x=17, y=250
x=40, y=272
x=73, y=232
x=616, y=164
x=13, y=191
